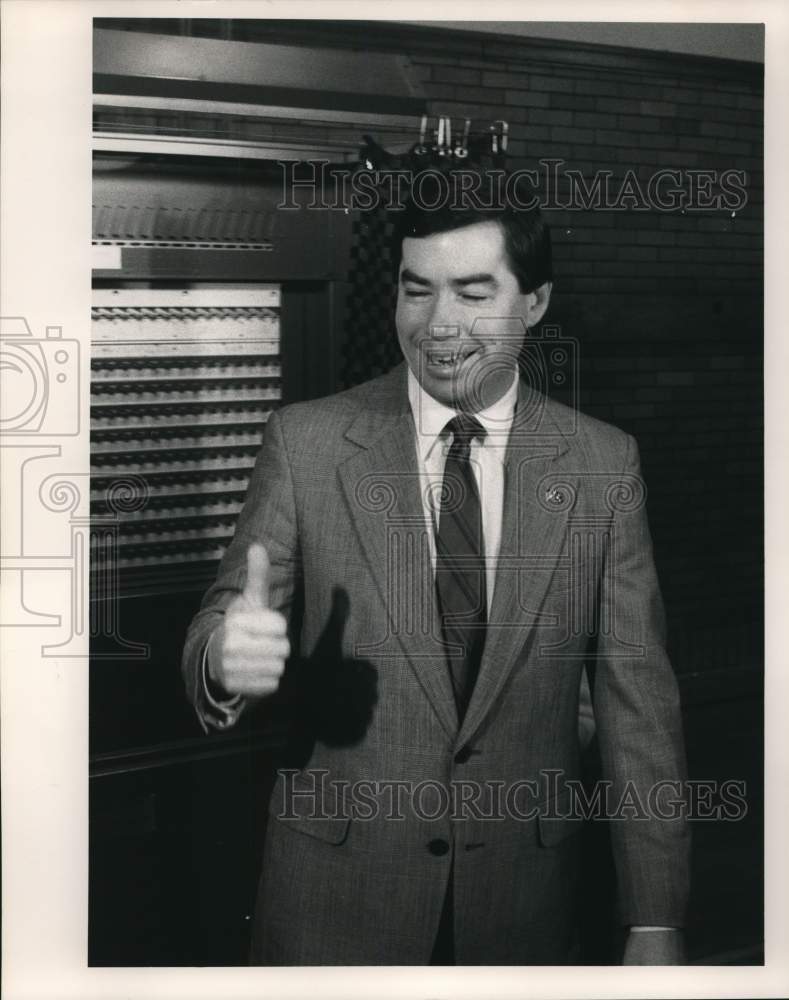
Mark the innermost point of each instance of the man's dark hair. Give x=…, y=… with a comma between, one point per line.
x=527, y=238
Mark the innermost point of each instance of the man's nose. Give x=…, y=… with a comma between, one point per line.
x=444, y=331
x=443, y=324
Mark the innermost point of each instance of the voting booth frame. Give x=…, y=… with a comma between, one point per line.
x=211, y=307
x=207, y=314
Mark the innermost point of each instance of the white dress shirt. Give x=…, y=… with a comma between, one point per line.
x=486, y=457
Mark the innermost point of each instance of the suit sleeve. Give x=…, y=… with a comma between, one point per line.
x=268, y=516
x=636, y=701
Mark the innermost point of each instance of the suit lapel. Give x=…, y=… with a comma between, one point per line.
x=534, y=524
x=382, y=489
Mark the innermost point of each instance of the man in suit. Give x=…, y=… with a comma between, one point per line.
x=422, y=569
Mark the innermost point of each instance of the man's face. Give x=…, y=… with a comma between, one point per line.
x=461, y=317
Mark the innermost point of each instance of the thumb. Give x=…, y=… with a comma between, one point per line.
x=256, y=589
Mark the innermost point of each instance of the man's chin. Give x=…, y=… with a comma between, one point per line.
x=470, y=391
x=452, y=392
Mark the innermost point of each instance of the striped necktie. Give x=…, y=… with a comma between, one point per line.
x=460, y=561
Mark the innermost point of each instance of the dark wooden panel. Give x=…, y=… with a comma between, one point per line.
x=174, y=859
x=175, y=851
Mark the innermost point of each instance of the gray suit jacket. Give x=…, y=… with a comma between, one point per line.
x=386, y=790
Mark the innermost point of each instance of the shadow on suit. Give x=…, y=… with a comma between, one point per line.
x=328, y=697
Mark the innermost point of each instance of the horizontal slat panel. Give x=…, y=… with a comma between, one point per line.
x=182, y=383
x=125, y=420
x=143, y=370
x=219, y=533
x=165, y=555
x=166, y=445
x=178, y=394
x=295, y=254
x=175, y=488
x=222, y=508
x=184, y=348
x=187, y=300
x=167, y=326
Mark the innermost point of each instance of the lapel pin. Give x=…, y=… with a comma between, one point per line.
x=555, y=496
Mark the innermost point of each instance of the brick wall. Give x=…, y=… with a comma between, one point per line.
x=666, y=305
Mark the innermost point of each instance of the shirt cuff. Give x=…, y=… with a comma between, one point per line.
x=223, y=714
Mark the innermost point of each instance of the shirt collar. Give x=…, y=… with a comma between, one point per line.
x=431, y=416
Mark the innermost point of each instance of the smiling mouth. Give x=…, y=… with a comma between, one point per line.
x=448, y=358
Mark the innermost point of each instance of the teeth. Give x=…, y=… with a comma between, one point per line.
x=445, y=358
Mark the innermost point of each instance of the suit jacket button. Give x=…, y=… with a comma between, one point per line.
x=463, y=754
x=438, y=847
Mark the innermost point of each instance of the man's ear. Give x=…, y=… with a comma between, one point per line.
x=536, y=304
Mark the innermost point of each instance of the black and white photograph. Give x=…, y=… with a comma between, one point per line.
x=420, y=561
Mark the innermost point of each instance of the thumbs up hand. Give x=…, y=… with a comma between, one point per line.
x=247, y=652
x=255, y=593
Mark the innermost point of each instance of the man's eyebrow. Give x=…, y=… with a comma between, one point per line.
x=415, y=279
x=482, y=278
